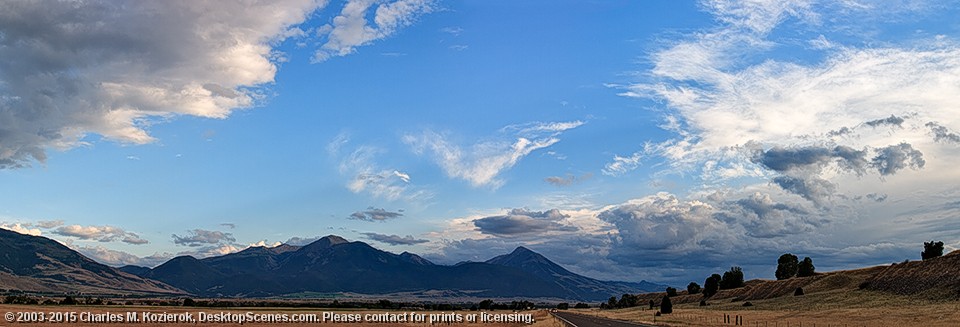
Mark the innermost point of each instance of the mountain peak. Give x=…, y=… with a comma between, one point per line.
x=326, y=242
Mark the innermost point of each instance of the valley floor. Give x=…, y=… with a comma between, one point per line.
x=838, y=308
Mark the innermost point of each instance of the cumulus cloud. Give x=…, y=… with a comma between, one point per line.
x=350, y=29
x=394, y=239
x=943, y=134
x=375, y=214
x=200, y=237
x=100, y=233
x=22, y=228
x=481, y=163
x=113, y=68
x=523, y=221
x=119, y=258
x=893, y=158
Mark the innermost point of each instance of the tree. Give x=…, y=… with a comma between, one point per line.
x=732, y=278
x=931, y=250
x=671, y=291
x=665, y=305
x=563, y=306
x=486, y=304
x=693, y=288
x=711, y=285
x=581, y=305
x=628, y=300
x=806, y=268
x=69, y=300
x=652, y=304
x=612, y=302
x=786, y=266
x=188, y=302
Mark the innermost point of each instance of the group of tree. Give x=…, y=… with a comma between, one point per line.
x=788, y=266
x=931, y=250
x=730, y=279
x=565, y=306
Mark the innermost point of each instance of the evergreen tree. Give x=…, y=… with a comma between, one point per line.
x=665, y=305
x=931, y=250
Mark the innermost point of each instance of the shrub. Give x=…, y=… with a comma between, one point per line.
x=747, y=304
x=188, y=302
x=581, y=305
x=786, y=266
x=931, y=250
x=652, y=304
x=703, y=303
x=665, y=305
x=798, y=291
x=693, y=288
x=563, y=306
x=69, y=301
x=711, y=285
x=671, y=291
x=732, y=278
x=806, y=268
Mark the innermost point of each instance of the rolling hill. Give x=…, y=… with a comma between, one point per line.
x=39, y=264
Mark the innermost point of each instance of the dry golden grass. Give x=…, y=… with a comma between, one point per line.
x=829, y=308
x=543, y=319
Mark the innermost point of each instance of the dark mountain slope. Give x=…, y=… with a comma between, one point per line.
x=41, y=264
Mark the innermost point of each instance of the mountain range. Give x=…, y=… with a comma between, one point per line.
x=328, y=265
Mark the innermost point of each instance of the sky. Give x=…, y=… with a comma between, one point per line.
x=625, y=140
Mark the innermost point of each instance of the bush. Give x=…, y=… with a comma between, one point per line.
x=693, y=288
x=628, y=300
x=711, y=285
x=665, y=305
x=747, y=304
x=671, y=291
x=798, y=291
x=806, y=268
x=703, y=303
x=188, y=302
x=786, y=266
x=652, y=304
x=563, y=306
x=732, y=278
x=931, y=250
x=581, y=305
x=69, y=301
x=612, y=302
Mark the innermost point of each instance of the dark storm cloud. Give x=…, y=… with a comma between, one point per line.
x=790, y=159
x=894, y=158
x=813, y=189
x=375, y=214
x=892, y=121
x=941, y=134
x=521, y=221
x=198, y=237
x=394, y=239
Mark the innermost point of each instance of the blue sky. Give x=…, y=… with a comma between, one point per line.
x=658, y=140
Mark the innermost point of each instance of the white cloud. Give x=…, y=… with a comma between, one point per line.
x=119, y=258
x=22, y=228
x=100, y=234
x=622, y=165
x=481, y=163
x=263, y=243
x=110, y=68
x=350, y=29
x=366, y=175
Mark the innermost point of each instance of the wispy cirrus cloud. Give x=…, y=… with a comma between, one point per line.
x=481, y=163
